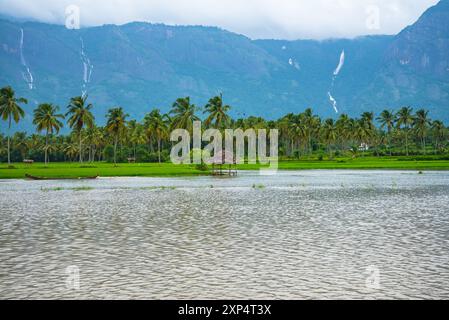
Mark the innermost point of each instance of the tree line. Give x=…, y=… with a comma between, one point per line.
x=121, y=139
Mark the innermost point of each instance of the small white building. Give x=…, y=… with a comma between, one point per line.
x=364, y=147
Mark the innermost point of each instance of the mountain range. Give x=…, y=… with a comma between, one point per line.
x=141, y=66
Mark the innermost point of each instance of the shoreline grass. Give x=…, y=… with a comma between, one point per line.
x=77, y=170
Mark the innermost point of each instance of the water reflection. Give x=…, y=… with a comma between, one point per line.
x=295, y=235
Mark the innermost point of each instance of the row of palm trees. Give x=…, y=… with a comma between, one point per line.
x=300, y=134
x=347, y=133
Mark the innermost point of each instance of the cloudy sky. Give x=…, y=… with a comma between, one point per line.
x=282, y=19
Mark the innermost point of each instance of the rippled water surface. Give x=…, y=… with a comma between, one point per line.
x=314, y=234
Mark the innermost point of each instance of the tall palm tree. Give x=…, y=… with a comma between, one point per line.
x=368, y=119
x=311, y=124
x=95, y=139
x=421, y=125
x=137, y=137
x=183, y=114
x=387, y=120
x=2, y=148
x=218, y=113
x=20, y=141
x=297, y=132
x=132, y=127
x=285, y=126
x=343, y=125
x=156, y=127
x=80, y=116
x=10, y=110
x=46, y=118
x=329, y=134
x=116, y=125
x=70, y=150
x=404, y=120
x=439, y=133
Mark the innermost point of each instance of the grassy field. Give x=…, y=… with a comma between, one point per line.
x=74, y=170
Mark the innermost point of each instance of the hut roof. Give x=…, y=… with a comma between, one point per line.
x=223, y=157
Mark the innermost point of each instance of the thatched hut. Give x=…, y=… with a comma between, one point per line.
x=224, y=164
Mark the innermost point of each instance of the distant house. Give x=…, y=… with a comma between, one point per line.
x=364, y=147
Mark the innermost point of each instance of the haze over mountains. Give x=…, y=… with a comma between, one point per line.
x=140, y=66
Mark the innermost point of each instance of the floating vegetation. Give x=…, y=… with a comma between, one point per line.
x=51, y=189
x=168, y=188
x=82, y=189
x=158, y=188
x=67, y=189
x=258, y=186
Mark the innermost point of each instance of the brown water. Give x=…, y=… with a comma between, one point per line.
x=314, y=234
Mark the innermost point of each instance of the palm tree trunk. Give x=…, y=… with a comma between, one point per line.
x=406, y=142
x=159, y=149
x=424, y=144
x=388, y=141
x=115, y=150
x=292, y=147
x=309, y=145
x=46, y=149
x=81, y=148
x=9, y=142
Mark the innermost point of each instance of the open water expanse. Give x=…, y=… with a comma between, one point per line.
x=295, y=235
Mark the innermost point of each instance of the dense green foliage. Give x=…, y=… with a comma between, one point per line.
x=303, y=136
x=75, y=170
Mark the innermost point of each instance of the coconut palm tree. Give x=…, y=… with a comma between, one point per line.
x=21, y=143
x=368, y=119
x=404, y=120
x=80, y=116
x=218, y=113
x=71, y=150
x=329, y=134
x=387, y=120
x=283, y=125
x=156, y=127
x=10, y=110
x=183, y=114
x=363, y=133
x=297, y=131
x=343, y=130
x=137, y=137
x=46, y=118
x=34, y=142
x=439, y=133
x=116, y=126
x=2, y=149
x=311, y=126
x=95, y=139
x=365, y=130
x=421, y=124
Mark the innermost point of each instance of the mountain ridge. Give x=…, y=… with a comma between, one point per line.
x=140, y=66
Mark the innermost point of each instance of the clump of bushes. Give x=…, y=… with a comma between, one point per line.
x=202, y=167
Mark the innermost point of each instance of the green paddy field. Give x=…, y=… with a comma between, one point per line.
x=74, y=170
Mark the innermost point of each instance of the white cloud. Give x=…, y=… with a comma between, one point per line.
x=287, y=19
